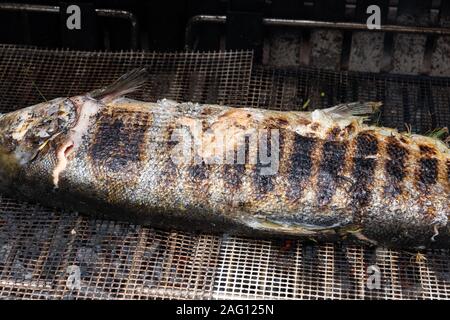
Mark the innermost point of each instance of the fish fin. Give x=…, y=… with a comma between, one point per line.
x=268, y=225
x=361, y=237
x=353, y=109
x=293, y=228
x=127, y=83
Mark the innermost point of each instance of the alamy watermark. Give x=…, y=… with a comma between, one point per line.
x=73, y=22
x=74, y=279
x=373, y=277
x=259, y=147
x=374, y=20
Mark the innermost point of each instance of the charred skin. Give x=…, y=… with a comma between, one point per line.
x=352, y=181
x=337, y=178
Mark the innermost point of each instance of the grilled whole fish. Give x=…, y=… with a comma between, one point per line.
x=323, y=175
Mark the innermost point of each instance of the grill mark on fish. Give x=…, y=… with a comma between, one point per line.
x=427, y=150
x=427, y=175
x=448, y=171
x=119, y=140
x=246, y=149
x=263, y=183
x=395, y=166
x=333, y=156
x=301, y=165
x=199, y=172
x=428, y=171
x=366, y=144
x=233, y=175
x=169, y=169
x=363, y=168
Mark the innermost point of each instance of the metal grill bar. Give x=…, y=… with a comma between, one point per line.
x=273, y=22
x=39, y=248
x=109, y=13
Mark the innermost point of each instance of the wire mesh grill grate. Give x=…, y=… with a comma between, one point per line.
x=422, y=102
x=40, y=248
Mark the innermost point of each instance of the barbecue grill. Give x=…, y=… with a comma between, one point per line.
x=53, y=254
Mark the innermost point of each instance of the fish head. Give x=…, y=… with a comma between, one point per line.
x=55, y=128
x=25, y=132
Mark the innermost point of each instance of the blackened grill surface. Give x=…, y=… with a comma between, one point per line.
x=40, y=248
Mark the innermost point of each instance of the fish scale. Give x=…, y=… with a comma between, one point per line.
x=337, y=178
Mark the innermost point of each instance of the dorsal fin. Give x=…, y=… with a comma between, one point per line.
x=358, y=109
x=344, y=114
x=127, y=83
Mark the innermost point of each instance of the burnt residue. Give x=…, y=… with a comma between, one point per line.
x=301, y=164
x=428, y=171
x=395, y=166
x=363, y=168
x=332, y=162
